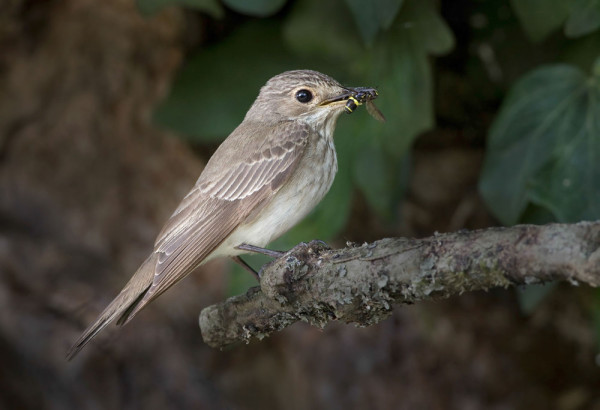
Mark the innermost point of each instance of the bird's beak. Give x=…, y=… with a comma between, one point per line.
x=341, y=97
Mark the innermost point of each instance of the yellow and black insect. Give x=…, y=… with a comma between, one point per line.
x=351, y=104
x=360, y=96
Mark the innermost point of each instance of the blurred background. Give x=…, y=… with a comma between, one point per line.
x=109, y=110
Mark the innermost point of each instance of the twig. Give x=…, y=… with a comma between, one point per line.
x=360, y=284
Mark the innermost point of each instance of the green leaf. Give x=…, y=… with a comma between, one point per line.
x=211, y=7
x=535, y=214
x=584, y=18
x=213, y=91
x=381, y=178
x=582, y=51
x=258, y=8
x=372, y=16
x=421, y=21
x=323, y=29
x=400, y=66
x=374, y=176
x=544, y=147
x=541, y=17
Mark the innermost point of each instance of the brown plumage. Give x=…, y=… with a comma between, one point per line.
x=265, y=177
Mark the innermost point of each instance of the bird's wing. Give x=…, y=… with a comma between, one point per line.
x=214, y=208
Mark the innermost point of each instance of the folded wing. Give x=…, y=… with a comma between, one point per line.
x=214, y=208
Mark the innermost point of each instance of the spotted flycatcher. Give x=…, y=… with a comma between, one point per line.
x=264, y=178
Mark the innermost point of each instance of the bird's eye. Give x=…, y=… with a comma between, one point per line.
x=304, y=96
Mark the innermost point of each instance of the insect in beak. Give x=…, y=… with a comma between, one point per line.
x=358, y=96
x=365, y=96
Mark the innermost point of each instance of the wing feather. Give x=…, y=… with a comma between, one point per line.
x=218, y=205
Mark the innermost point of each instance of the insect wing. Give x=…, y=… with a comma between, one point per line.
x=374, y=111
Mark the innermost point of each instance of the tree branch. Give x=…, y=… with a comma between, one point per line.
x=360, y=284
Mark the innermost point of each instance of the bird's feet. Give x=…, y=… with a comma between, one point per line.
x=315, y=245
x=262, y=251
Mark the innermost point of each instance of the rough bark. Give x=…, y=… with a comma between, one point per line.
x=360, y=284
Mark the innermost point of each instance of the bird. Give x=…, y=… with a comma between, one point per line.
x=267, y=175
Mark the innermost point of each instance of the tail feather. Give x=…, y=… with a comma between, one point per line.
x=122, y=306
x=128, y=314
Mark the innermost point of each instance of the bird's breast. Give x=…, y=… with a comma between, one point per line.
x=306, y=187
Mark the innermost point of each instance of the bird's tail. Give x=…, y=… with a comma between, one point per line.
x=121, y=307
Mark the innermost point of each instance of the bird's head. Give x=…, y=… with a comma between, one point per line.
x=304, y=95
